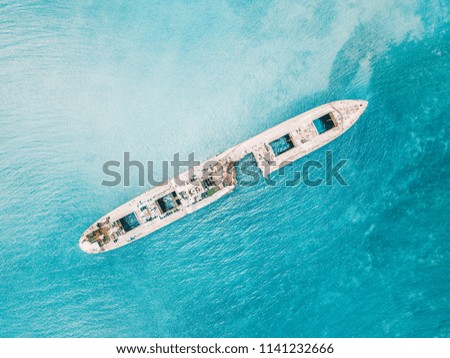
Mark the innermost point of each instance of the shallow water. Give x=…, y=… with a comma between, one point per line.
x=81, y=84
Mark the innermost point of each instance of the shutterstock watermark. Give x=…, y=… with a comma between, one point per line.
x=246, y=172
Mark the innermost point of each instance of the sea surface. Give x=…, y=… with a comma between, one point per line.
x=82, y=82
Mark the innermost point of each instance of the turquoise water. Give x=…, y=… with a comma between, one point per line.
x=81, y=83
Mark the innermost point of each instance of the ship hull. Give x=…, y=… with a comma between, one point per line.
x=216, y=177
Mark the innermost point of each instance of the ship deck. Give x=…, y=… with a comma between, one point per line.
x=216, y=177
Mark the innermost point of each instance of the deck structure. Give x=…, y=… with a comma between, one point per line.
x=216, y=177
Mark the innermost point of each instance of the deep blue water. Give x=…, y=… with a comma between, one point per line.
x=81, y=83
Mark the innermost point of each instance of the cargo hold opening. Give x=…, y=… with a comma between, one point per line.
x=167, y=202
x=282, y=144
x=324, y=123
x=129, y=222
